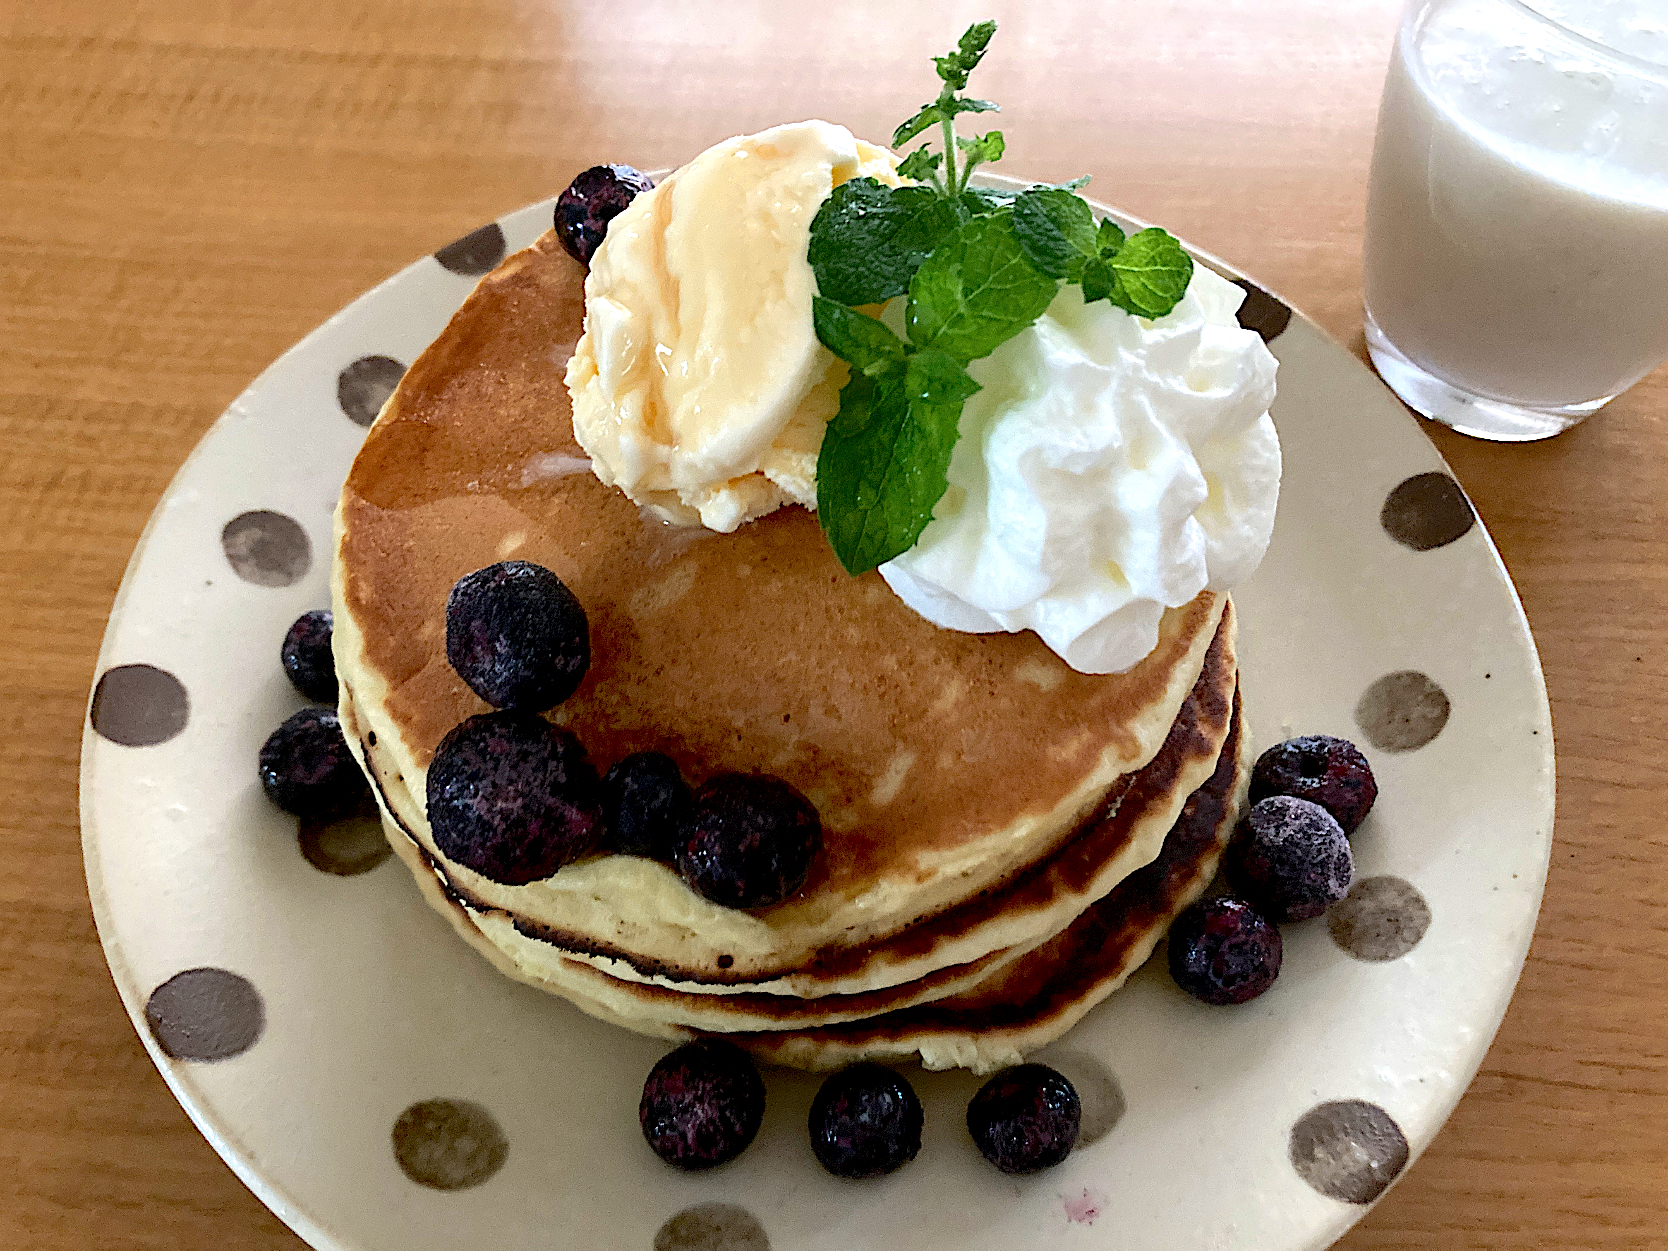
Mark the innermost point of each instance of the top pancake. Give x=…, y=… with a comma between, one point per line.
x=940, y=762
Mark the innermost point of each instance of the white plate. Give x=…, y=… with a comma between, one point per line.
x=325, y=1007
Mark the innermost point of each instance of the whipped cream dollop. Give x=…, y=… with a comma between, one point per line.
x=699, y=387
x=1110, y=468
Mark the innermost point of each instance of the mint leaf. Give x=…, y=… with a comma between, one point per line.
x=980, y=201
x=1099, y=282
x=935, y=379
x=928, y=116
x=955, y=67
x=976, y=290
x=986, y=147
x=1057, y=232
x=857, y=454
x=1109, y=238
x=886, y=456
x=1153, y=270
x=921, y=165
x=860, y=400
x=867, y=240
x=979, y=149
x=864, y=343
x=856, y=467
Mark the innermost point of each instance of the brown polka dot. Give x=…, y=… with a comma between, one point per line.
x=477, y=253
x=1427, y=510
x=1098, y=1091
x=449, y=1144
x=346, y=846
x=712, y=1227
x=1382, y=918
x=1348, y=1150
x=267, y=548
x=1402, y=711
x=1262, y=312
x=139, y=706
x=205, y=1014
x=364, y=387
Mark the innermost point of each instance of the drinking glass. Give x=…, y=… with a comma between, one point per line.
x=1516, y=263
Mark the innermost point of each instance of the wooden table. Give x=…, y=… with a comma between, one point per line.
x=188, y=187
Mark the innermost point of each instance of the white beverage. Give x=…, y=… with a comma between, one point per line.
x=1517, y=217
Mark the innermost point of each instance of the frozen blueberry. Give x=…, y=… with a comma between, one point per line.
x=1222, y=951
x=513, y=798
x=645, y=802
x=1025, y=1118
x=306, y=656
x=306, y=768
x=517, y=636
x=749, y=840
x=591, y=201
x=1328, y=771
x=865, y=1122
x=1289, y=859
x=702, y=1104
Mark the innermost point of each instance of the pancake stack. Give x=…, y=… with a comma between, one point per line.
x=1004, y=839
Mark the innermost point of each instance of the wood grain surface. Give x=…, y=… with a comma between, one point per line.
x=188, y=186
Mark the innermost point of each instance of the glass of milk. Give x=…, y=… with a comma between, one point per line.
x=1516, y=266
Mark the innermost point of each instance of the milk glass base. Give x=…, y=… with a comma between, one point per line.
x=1472, y=414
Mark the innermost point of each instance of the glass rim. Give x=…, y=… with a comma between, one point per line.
x=1634, y=64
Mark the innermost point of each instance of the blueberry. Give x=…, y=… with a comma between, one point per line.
x=1289, y=859
x=591, y=201
x=517, y=636
x=1222, y=951
x=702, y=1104
x=645, y=802
x=865, y=1122
x=749, y=841
x=306, y=768
x=1025, y=1118
x=1328, y=771
x=306, y=656
x=513, y=798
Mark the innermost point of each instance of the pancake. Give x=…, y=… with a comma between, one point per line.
x=671, y=1014
x=1035, y=999
x=952, y=951
x=751, y=652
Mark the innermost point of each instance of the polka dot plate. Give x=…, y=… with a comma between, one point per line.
x=382, y=1089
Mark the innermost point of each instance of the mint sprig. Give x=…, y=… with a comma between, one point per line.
x=954, y=68
x=977, y=266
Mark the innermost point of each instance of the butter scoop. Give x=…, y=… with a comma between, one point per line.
x=699, y=387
